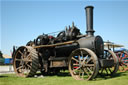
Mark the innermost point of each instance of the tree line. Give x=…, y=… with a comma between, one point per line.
x=1, y=54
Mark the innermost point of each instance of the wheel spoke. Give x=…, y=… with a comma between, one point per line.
x=28, y=60
x=25, y=51
x=80, y=72
x=102, y=70
x=22, y=62
x=22, y=55
x=82, y=54
x=89, y=60
x=29, y=66
x=75, y=64
x=122, y=66
x=23, y=69
x=27, y=69
x=18, y=59
x=83, y=74
x=19, y=67
x=79, y=59
x=84, y=60
x=109, y=70
x=89, y=65
x=90, y=70
x=121, y=55
x=85, y=70
x=28, y=56
x=106, y=71
x=125, y=60
x=124, y=57
x=76, y=69
x=125, y=64
x=75, y=59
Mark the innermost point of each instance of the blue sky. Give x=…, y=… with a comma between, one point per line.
x=24, y=20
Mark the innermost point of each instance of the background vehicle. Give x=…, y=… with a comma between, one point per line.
x=121, y=53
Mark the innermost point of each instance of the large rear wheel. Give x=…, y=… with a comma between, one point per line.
x=25, y=61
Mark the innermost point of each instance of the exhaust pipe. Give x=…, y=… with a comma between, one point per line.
x=89, y=20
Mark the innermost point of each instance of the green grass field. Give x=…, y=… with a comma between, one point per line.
x=12, y=79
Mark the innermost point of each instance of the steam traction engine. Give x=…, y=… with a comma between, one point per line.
x=83, y=55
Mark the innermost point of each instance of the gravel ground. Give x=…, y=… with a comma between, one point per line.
x=6, y=69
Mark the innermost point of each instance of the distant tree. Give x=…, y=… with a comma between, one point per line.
x=1, y=54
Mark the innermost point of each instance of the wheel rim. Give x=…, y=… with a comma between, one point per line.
x=83, y=64
x=123, y=61
x=23, y=62
x=109, y=71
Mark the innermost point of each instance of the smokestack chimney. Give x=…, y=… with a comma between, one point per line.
x=89, y=20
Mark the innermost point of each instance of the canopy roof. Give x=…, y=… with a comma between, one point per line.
x=6, y=56
x=112, y=45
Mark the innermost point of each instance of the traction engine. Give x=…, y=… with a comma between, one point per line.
x=83, y=55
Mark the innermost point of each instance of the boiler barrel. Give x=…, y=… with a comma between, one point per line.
x=95, y=43
x=65, y=50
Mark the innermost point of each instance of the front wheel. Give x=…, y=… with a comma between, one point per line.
x=83, y=64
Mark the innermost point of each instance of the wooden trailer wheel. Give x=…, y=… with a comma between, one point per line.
x=123, y=61
x=25, y=61
x=83, y=64
x=109, y=71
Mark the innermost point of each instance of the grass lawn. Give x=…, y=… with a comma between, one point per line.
x=12, y=79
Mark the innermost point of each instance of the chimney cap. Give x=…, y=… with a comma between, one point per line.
x=89, y=7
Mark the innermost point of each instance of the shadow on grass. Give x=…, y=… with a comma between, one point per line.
x=64, y=74
x=1, y=76
x=60, y=74
x=99, y=77
x=67, y=74
x=110, y=77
